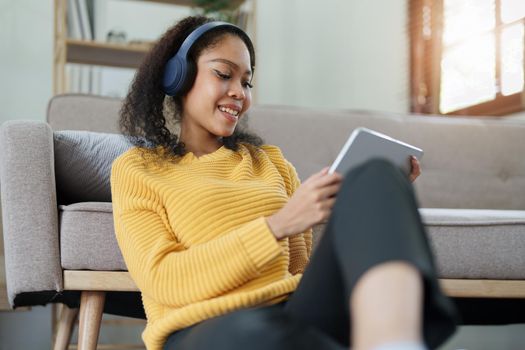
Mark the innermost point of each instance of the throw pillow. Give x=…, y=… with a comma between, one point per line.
x=83, y=164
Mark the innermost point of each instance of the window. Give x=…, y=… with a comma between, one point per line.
x=467, y=56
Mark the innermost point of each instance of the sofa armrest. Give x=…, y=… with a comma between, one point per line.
x=29, y=209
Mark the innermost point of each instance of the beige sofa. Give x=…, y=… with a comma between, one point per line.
x=57, y=215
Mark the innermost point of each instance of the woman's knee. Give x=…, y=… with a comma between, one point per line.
x=370, y=184
x=368, y=199
x=377, y=168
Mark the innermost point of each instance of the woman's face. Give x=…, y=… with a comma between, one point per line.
x=221, y=92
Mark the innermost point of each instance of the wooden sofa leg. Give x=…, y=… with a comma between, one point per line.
x=91, y=308
x=66, y=322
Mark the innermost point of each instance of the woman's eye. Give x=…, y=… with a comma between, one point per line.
x=222, y=75
x=225, y=76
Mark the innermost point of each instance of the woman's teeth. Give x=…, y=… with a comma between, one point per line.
x=229, y=111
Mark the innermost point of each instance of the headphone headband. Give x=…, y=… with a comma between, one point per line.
x=197, y=33
x=179, y=72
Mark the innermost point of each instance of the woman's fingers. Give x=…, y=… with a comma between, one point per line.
x=329, y=191
x=416, y=169
x=330, y=202
x=327, y=179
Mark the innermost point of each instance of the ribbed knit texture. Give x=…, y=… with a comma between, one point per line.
x=194, y=236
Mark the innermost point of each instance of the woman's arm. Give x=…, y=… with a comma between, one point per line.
x=300, y=244
x=167, y=272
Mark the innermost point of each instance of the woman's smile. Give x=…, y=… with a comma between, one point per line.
x=230, y=112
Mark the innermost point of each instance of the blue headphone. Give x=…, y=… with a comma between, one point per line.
x=179, y=72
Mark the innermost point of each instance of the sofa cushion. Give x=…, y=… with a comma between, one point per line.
x=84, y=112
x=469, y=162
x=83, y=164
x=484, y=244
x=87, y=238
x=470, y=243
x=473, y=243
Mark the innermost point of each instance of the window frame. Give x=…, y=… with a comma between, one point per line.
x=426, y=32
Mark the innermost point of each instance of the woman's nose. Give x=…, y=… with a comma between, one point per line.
x=237, y=91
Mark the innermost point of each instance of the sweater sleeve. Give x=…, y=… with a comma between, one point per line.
x=165, y=270
x=300, y=244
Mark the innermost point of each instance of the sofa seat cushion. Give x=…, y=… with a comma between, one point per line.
x=467, y=243
x=87, y=238
x=473, y=243
x=476, y=243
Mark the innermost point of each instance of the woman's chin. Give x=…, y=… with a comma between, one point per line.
x=226, y=133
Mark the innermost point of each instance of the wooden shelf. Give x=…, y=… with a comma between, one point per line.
x=105, y=54
x=190, y=3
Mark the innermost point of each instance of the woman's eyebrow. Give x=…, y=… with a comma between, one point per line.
x=230, y=63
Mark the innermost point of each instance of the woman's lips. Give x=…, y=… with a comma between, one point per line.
x=229, y=117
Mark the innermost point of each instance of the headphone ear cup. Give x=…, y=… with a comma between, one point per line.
x=190, y=73
x=174, y=76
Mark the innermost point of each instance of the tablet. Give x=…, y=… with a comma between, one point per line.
x=365, y=144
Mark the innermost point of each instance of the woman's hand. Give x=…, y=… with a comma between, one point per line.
x=415, y=170
x=311, y=204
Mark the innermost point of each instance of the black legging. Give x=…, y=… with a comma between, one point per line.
x=374, y=220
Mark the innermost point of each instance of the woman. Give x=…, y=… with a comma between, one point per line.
x=215, y=227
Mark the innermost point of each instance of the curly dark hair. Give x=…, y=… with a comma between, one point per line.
x=149, y=117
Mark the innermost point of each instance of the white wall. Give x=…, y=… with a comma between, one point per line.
x=334, y=53
x=26, y=57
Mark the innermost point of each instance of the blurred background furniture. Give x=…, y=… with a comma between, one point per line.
x=77, y=40
x=58, y=226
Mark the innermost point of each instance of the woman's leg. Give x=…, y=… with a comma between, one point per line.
x=380, y=318
x=262, y=328
x=373, y=243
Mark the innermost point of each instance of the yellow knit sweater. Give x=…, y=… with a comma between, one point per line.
x=194, y=237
